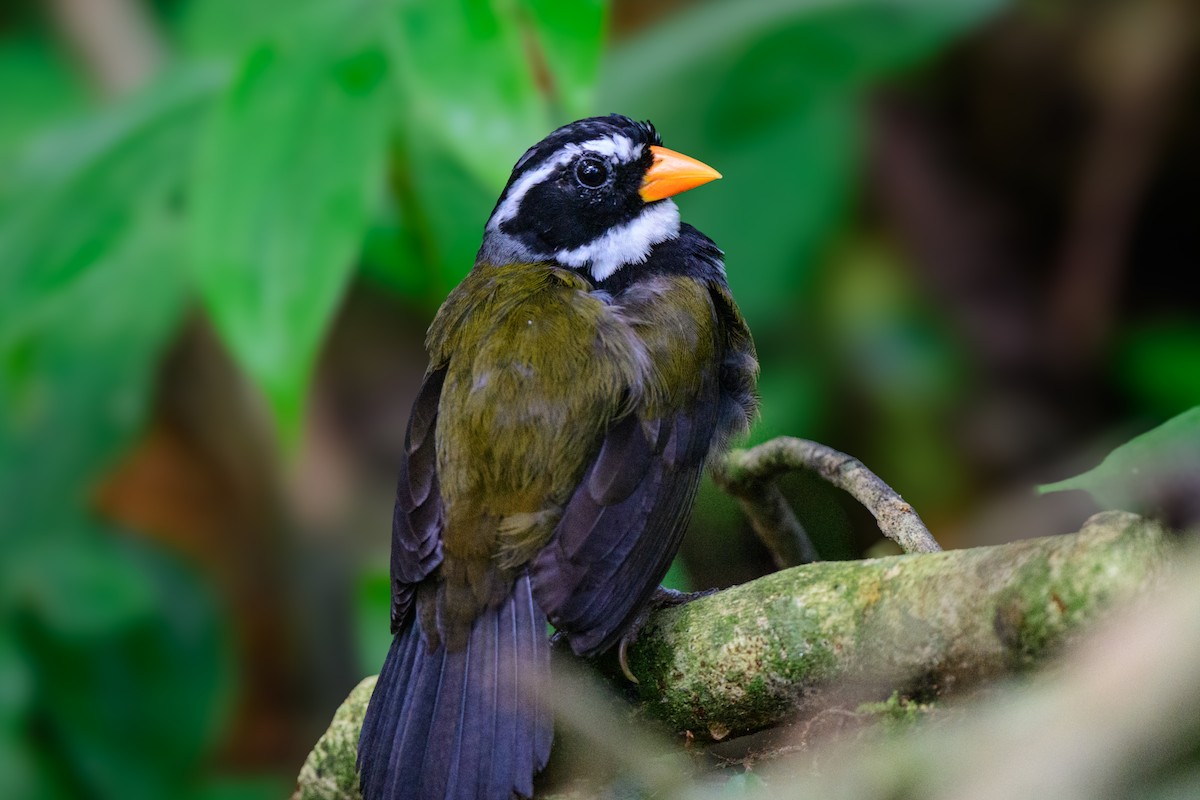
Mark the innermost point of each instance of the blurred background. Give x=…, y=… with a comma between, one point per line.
x=964, y=233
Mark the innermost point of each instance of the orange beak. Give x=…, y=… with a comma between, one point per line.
x=672, y=173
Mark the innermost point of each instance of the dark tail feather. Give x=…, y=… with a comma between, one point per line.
x=465, y=725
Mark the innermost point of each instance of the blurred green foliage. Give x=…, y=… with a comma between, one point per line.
x=114, y=669
x=1159, y=363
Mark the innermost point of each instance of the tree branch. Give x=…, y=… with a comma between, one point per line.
x=1117, y=718
x=837, y=632
x=752, y=656
x=749, y=476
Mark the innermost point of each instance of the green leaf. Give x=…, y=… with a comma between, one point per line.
x=16, y=678
x=39, y=88
x=91, y=292
x=391, y=256
x=1135, y=476
x=570, y=37
x=372, y=616
x=288, y=176
x=1157, y=363
x=134, y=714
x=233, y=27
x=244, y=787
x=77, y=371
x=481, y=81
x=425, y=238
x=827, y=42
x=452, y=224
x=21, y=775
x=770, y=94
x=467, y=80
x=77, y=191
x=80, y=586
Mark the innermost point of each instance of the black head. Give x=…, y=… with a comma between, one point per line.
x=575, y=197
x=580, y=133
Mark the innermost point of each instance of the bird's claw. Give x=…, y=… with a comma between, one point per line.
x=662, y=598
x=622, y=647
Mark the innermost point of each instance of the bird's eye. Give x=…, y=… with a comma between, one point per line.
x=591, y=172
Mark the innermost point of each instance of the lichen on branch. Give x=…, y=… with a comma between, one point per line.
x=757, y=654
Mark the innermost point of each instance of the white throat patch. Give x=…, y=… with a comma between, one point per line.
x=629, y=243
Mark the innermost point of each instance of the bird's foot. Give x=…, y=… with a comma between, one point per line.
x=662, y=598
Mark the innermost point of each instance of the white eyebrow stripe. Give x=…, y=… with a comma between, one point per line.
x=618, y=147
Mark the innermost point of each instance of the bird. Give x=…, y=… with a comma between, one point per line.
x=580, y=377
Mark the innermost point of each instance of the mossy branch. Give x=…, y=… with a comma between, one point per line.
x=757, y=654
x=762, y=653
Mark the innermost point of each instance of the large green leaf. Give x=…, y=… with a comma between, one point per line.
x=76, y=192
x=390, y=255
x=570, y=38
x=453, y=208
x=224, y=28
x=425, y=239
x=468, y=80
x=39, y=88
x=1146, y=470
x=288, y=175
x=77, y=370
x=783, y=195
x=92, y=290
x=77, y=367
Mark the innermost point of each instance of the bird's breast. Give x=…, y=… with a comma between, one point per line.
x=536, y=368
x=536, y=371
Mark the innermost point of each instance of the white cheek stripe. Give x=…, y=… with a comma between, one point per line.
x=629, y=243
x=620, y=148
x=516, y=192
